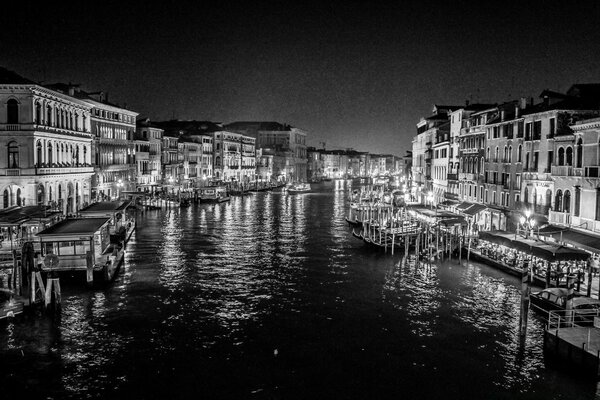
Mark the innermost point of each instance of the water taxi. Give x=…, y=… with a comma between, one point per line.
x=299, y=188
x=213, y=194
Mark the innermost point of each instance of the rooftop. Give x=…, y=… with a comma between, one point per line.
x=105, y=206
x=75, y=226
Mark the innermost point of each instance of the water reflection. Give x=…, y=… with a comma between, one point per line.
x=209, y=292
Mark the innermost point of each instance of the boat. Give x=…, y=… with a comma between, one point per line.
x=555, y=299
x=213, y=194
x=299, y=188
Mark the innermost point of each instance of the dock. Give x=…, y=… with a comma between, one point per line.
x=572, y=340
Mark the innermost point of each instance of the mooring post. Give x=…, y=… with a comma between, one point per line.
x=524, y=299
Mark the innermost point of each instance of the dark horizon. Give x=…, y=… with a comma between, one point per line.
x=353, y=76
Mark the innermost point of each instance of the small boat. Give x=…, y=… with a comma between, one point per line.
x=555, y=299
x=299, y=188
x=354, y=222
x=213, y=194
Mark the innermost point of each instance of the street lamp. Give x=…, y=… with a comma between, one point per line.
x=527, y=223
x=430, y=198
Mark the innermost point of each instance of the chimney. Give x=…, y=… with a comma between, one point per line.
x=71, y=90
x=517, y=111
x=523, y=103
x=502, y=115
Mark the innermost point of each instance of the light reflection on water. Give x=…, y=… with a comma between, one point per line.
x=209, y=293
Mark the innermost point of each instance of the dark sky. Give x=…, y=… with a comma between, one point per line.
x=357, y=76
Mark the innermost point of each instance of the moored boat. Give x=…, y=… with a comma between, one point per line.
x=555, y=299
x=299, y=188
x=213, y=194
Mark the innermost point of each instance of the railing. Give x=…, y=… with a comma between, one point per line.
x=470, y=151
x=581, y=317
x=562, y=170
x=63, y=170
x=558, y=217
x=12, y=172
x=452, y=177
x=12, y=127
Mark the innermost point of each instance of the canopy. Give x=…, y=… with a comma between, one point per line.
x=547, y=251
x=581, y=240
x=474, y=209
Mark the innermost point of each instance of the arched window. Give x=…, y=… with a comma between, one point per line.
x=526, y=161
x=505, y=159
x=569, y=152
x=217, y=161
x=84, y=155
x=13, y=155
x=548, y=198
x=579, y=153
x=561, y=156
x=496, y=155
x=38, y=113
x=509, y=154
x=460, y=162
x=50, y=158
x=520, y=154
x=39, y=153
x=12, y=112
x=558, y=201
x=567, y=202
x=487, y=154
x=48, y=115
x=526, y=195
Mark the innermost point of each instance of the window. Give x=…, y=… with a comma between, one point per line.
x=520, y=154
x=13, y=155
x=12, y=112
x=552, y=127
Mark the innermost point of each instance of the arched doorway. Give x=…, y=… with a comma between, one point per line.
x=19, y=202
x=567, y=202
x=558, y=201
x=526, y=195
x=548, y=201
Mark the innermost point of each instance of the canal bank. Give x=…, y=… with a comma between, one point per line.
x=269, y=296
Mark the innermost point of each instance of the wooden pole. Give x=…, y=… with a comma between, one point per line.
x=589, y=281
x=524, y=300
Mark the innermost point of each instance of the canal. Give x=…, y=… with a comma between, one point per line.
x=269, y=296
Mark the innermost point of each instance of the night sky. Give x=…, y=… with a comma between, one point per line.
x=358, y=76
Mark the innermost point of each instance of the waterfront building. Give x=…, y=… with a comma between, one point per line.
x=170, y=162
x=576, y=176
x=285, y=143
x=113, y=128
x=190, y=153
x=458, y=119
x=234, y=157
x=315, y=166
x=472, y=162
x=47, y=139
x=422, y=150
x=264, y=166
x=358, y=163
x=149, y=167
x=503, y=167
x=551, y=149
x=440, y=162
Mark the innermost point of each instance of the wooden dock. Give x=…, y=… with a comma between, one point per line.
x=575, y=347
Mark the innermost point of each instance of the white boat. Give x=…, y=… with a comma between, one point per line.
x=299, y=188
x=213, y=194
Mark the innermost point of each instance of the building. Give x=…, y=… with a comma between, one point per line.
x=285, y=143
x=47, y=137
x=149, y=169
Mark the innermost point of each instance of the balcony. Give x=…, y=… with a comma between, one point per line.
x=556, y=217
x=452, y=177
x=470, y=151
x=562, y=170
x=64, y=170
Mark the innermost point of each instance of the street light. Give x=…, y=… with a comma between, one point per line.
x=527, y=223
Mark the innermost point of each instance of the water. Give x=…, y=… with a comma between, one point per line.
x=270, y=296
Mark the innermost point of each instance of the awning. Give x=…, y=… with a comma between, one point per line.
x=463, y=206
x=578, y=239
x=453, y=221
x=547, y=251
x=499, y=237
x=474, y=209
